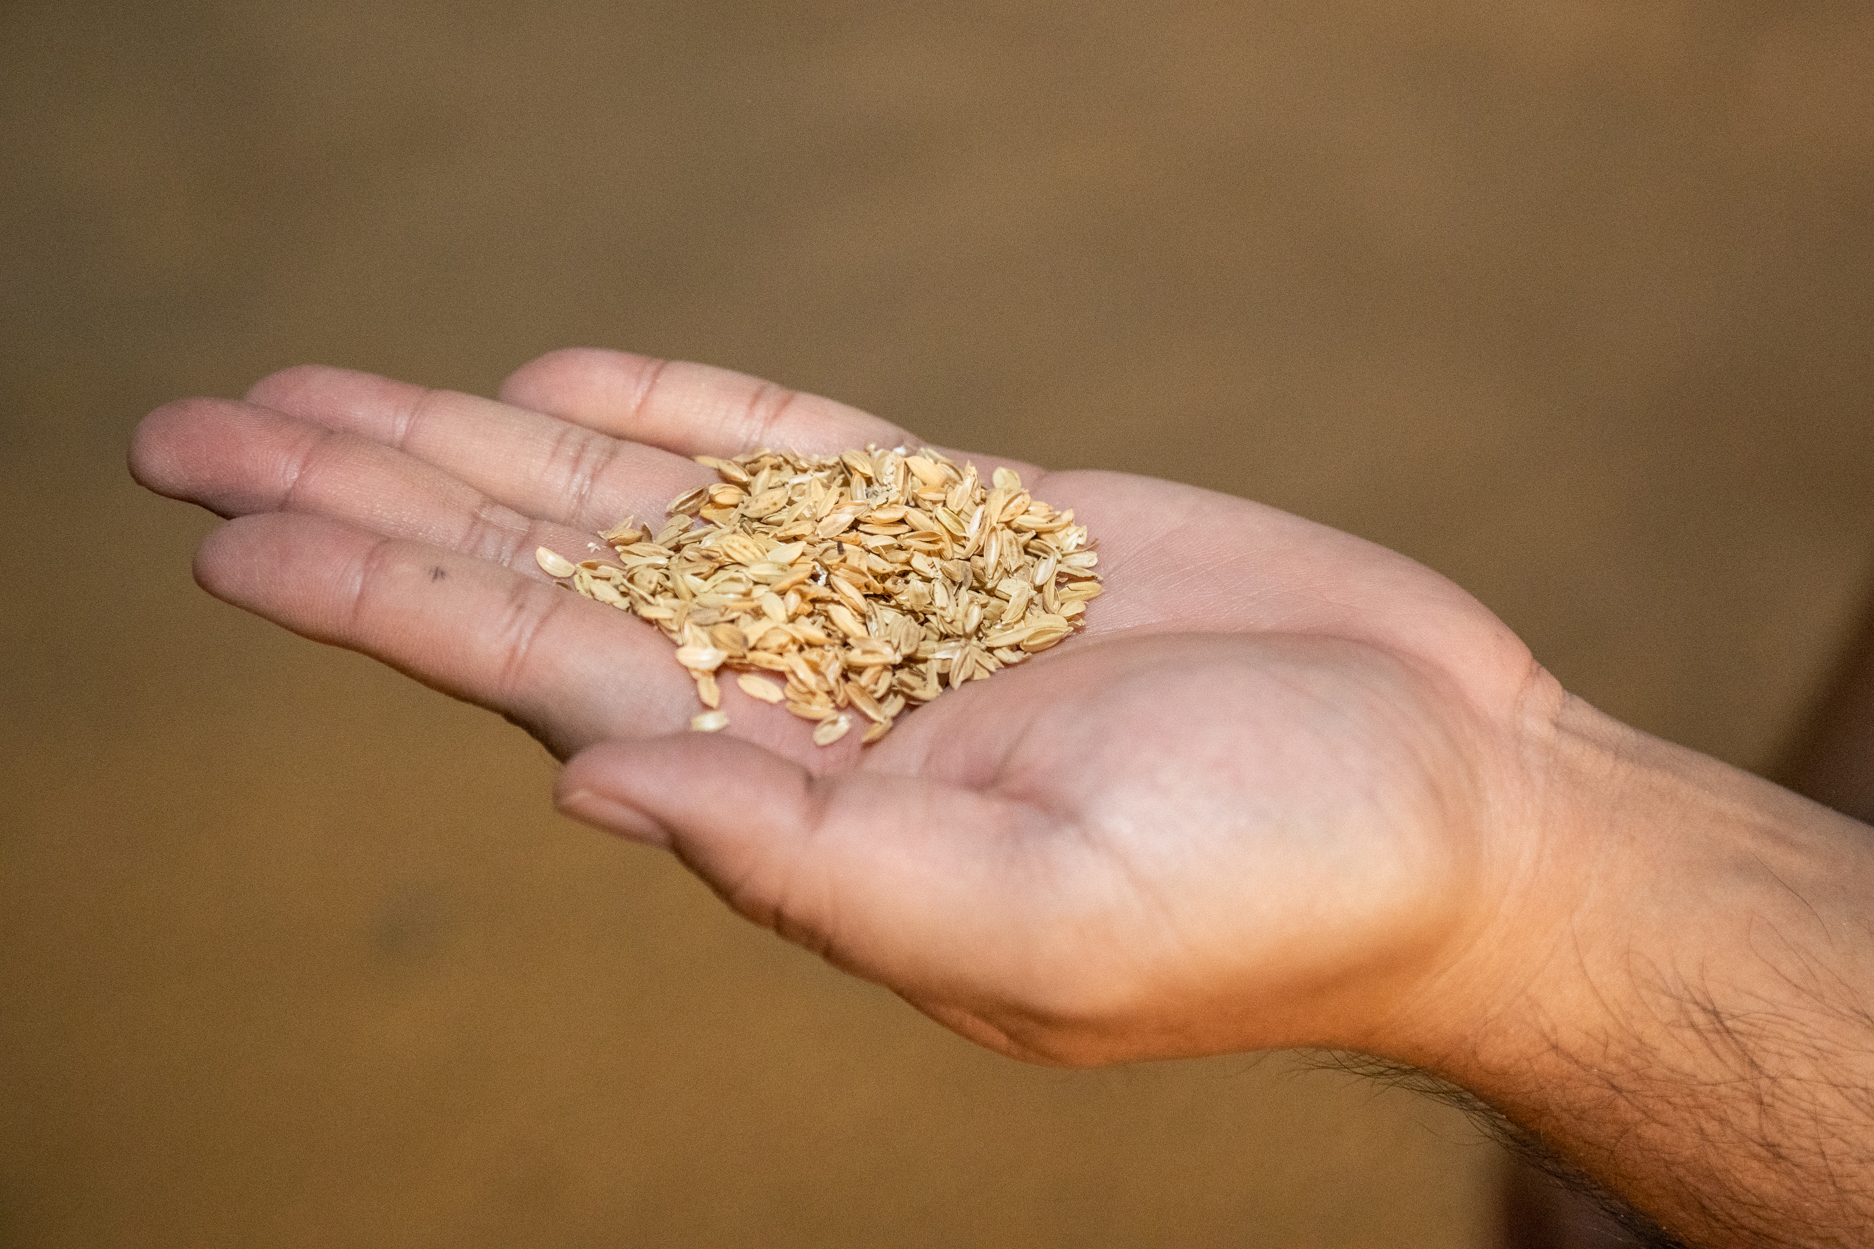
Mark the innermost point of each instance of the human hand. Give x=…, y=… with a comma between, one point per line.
x=1256, y=803
x=1287, y=788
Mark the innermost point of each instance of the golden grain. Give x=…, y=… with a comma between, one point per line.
x=554, y=565
x=755, y=687
x=871, y=580
x=832, y=730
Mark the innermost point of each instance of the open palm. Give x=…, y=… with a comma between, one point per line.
x=1253, y=804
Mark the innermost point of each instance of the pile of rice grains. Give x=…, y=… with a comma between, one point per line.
x=867, y=581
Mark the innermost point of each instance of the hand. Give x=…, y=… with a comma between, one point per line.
x=1256, y=803
x=1286, y=789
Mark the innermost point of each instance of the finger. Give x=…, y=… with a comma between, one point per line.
x=533, y=463
x=570, y=670
x=937, y=891
x=236, y=459
x=690, y=409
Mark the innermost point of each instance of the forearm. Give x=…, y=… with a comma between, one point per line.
x=1678, y=995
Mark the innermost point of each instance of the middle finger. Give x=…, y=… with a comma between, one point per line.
x=238, y=459
x=535, y=464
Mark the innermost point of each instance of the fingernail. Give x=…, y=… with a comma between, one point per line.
x=614, y=817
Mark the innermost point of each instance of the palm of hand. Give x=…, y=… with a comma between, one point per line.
x=1234, y=813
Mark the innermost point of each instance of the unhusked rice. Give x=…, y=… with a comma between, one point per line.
x=867, y=582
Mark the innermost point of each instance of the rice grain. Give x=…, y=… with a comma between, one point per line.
x=871, y=580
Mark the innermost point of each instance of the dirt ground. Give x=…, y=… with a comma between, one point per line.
x=1572, y=300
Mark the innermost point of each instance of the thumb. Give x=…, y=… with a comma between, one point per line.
x=930, y=889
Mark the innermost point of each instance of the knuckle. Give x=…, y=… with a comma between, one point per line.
x=156, y=460
x=412, y=415
x=582, y=459
x=374, y=568
x=768, y=407
x=531, y=606
x=654, y=374
x=299, y=469
x=493, y=533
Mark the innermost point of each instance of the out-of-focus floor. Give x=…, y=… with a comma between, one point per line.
x=1572, y=301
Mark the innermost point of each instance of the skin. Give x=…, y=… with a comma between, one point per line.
x=1287, y=789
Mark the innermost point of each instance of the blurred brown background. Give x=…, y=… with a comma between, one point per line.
x=1572, y=300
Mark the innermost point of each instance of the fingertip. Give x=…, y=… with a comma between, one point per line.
x=225, y=558
x=159, y=446
x=213, y=564
x=611, y=816
x=734, y=813
x=688, y=781
x=262, y=561
x=339, y=398
x=147, y=456
x=592, y=770
x=280, y=384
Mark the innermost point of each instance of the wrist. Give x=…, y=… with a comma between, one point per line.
x=1670, y=984
x=1629, y=862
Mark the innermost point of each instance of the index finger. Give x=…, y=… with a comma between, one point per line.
x=691, y=409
